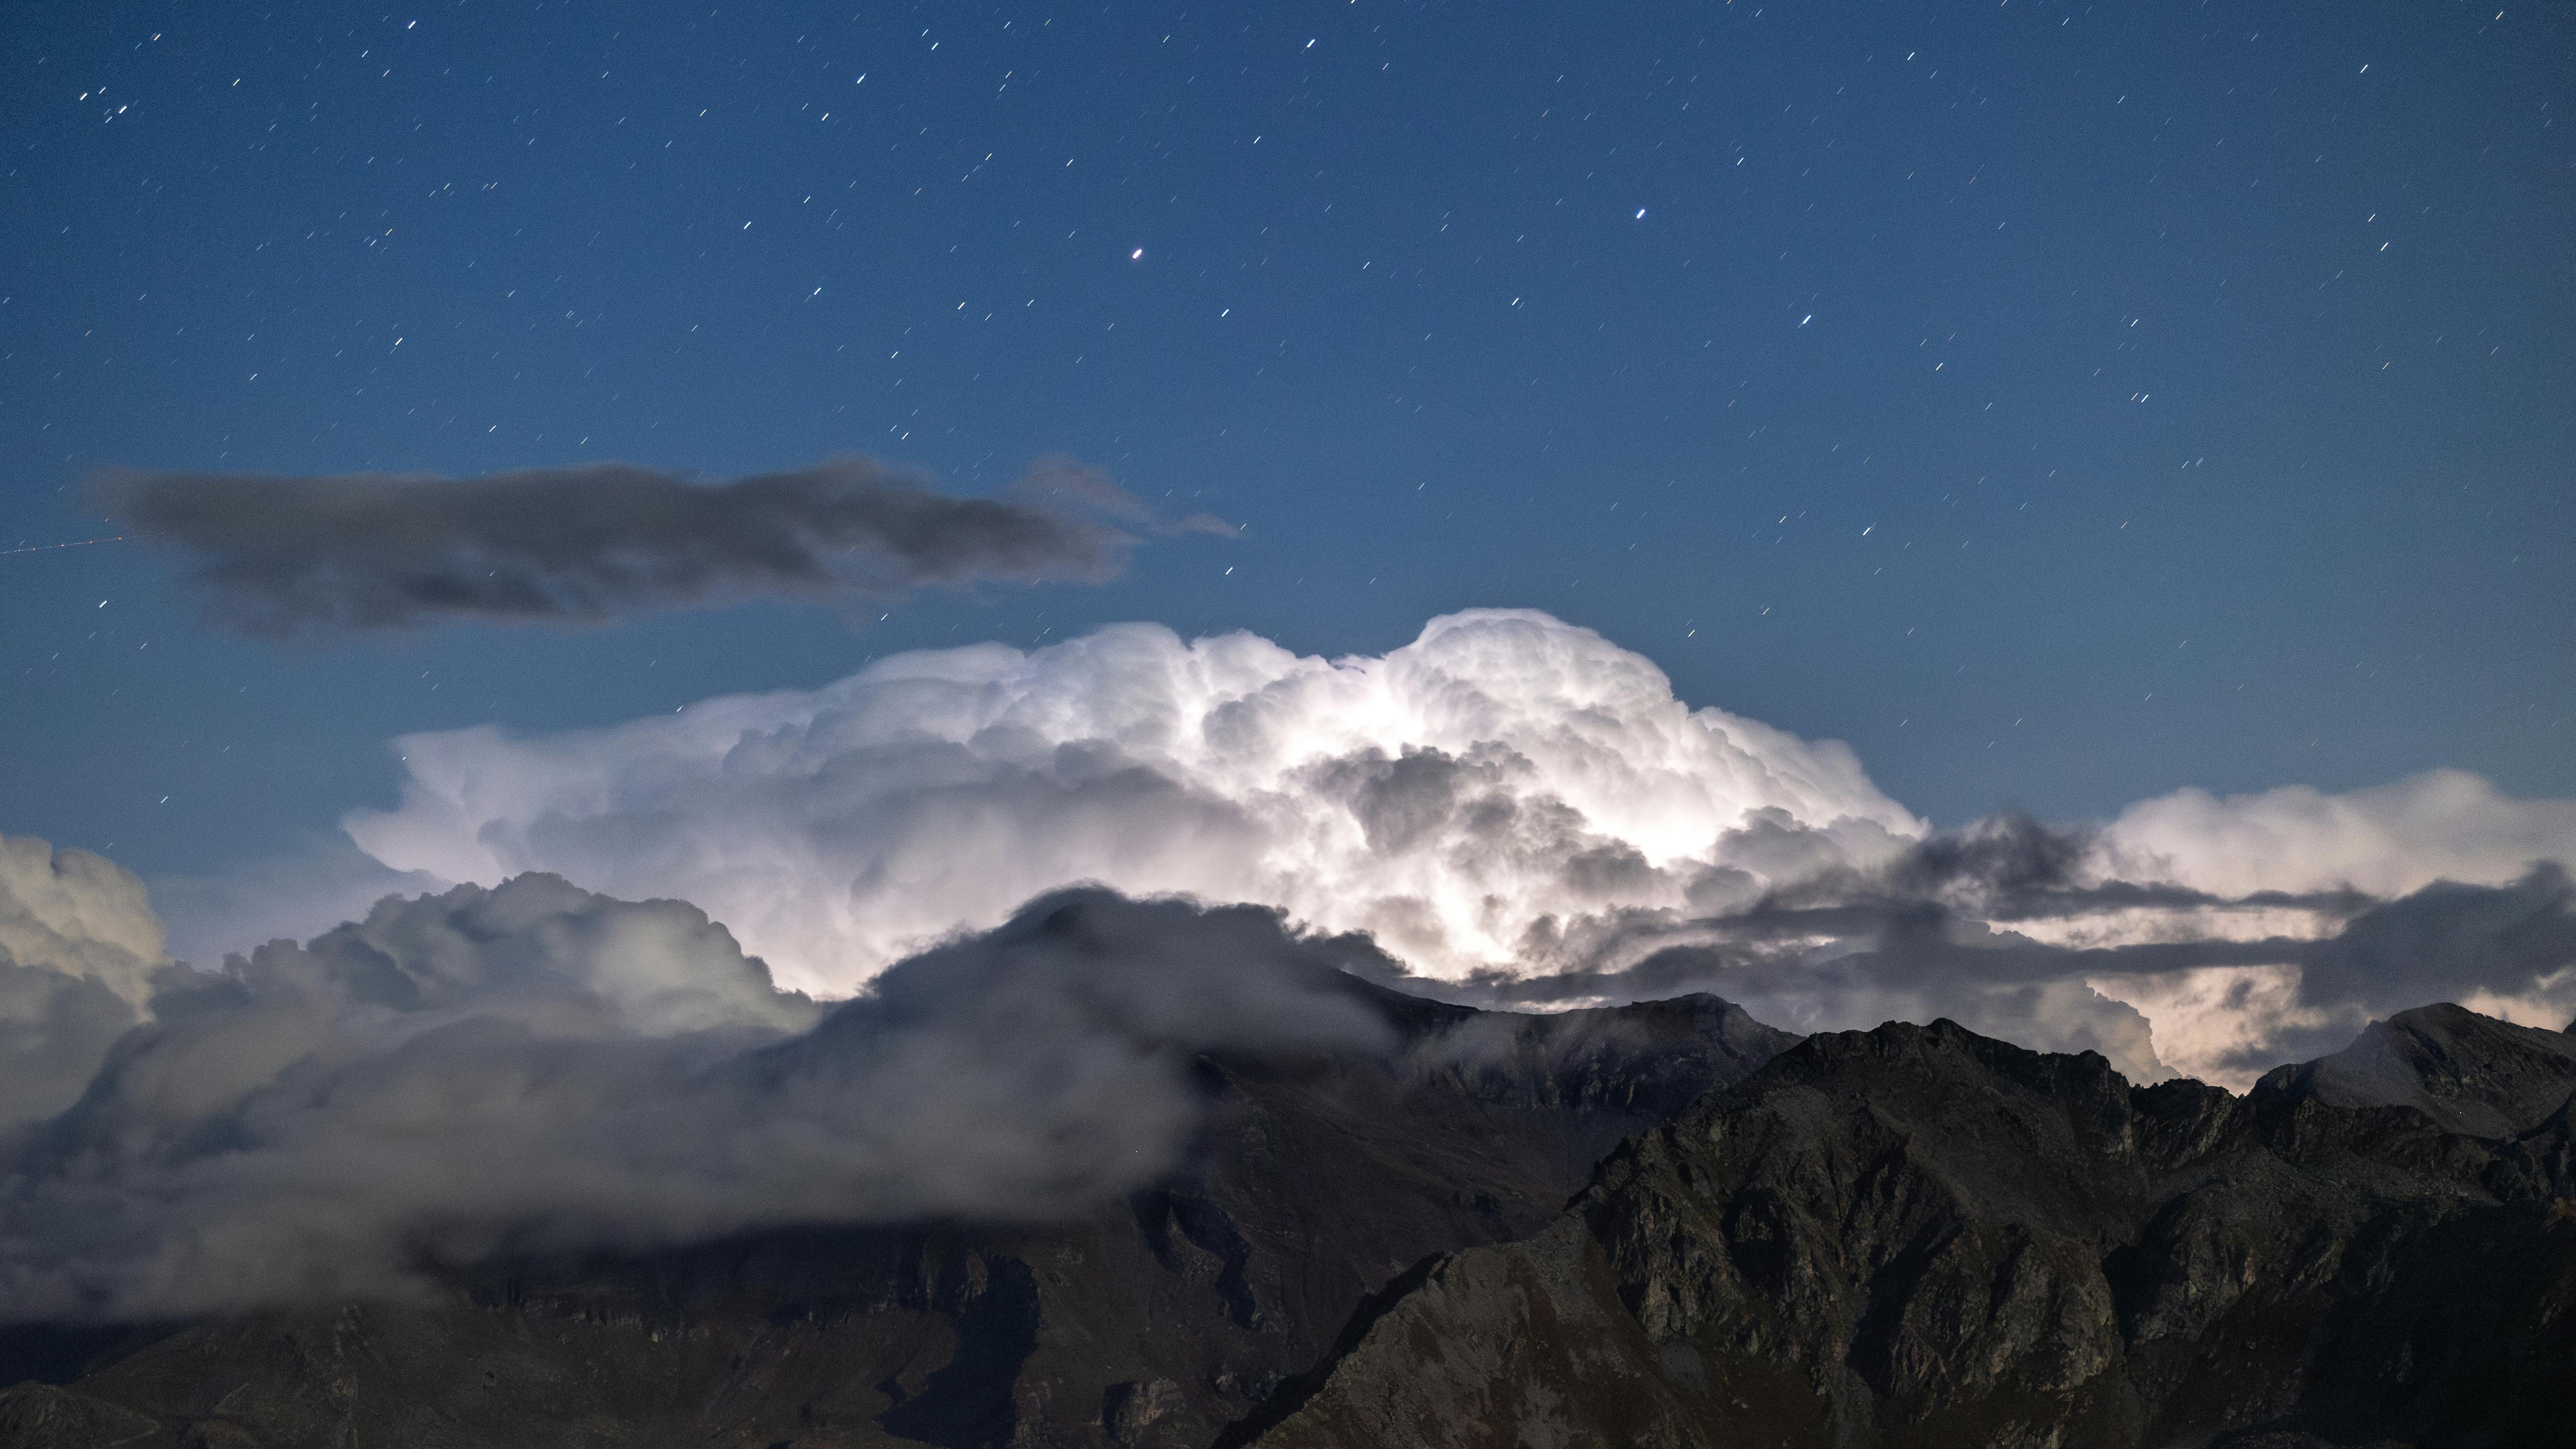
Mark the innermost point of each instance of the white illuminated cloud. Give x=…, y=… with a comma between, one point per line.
x=79, y=915
x=1508, y=796
x=2386, y=840
x=79, y=953
x=1500, y=779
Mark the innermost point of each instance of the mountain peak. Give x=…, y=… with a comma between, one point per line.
x=2473, y=1074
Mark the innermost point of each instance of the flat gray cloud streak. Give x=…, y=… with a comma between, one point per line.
x=282, y=555
x=1930, y=934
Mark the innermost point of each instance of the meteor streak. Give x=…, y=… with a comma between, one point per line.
x=81, y=543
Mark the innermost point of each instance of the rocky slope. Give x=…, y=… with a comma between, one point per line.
x=1154, y=1321
x=1915, y=1236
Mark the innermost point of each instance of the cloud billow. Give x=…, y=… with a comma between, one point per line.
x=1523, y=811
x=80, y=956
x=1468, y=799
x=282, y=555
x=534, y=1068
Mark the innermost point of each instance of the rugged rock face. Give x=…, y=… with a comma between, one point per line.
x=40, y=1416
x=1154, y=1321
x=1915, y=1236
x=2471, y=1073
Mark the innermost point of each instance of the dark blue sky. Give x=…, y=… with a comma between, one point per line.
x=2061, y=403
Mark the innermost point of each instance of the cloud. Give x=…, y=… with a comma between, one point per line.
x=586, y=544
x=80, y=953
x=1942, y=931
x=300, y=891
x=535, y=1068
x=2240, y=1008
x=78, y=914
x=1510, y=805
x=2386, y=840
x=1484, y=797
x=1912, y=936
x=2241, y=934
x=1845, y=953
x=2452, y=939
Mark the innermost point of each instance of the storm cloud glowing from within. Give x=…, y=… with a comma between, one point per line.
x=1466, y=798
x=1510, y=804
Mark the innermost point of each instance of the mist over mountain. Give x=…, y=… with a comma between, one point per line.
x=1135, y=1159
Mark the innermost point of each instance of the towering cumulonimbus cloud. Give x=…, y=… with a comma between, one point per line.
x=1488, y=796
x=1521, y=809
x=280, y=555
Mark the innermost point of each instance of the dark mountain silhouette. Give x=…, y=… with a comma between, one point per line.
x=1916, y=1236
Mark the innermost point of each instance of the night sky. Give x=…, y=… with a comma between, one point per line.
x=2061, y=404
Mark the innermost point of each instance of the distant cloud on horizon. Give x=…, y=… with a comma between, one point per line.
x=278, y=556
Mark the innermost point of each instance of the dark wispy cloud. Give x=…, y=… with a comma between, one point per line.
x=2450, y=939
x=1933, y=933
x=2014, y=867
x=279, y=555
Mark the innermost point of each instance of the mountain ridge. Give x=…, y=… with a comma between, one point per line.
x=1918, y=1236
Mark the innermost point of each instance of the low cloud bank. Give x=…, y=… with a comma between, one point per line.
x=2386, y=840
x=282, y=555
x=537, y=1068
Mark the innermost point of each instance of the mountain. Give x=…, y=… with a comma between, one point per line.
x=2471, y=1073
x=1915, y=1236
x=1156, y=1320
